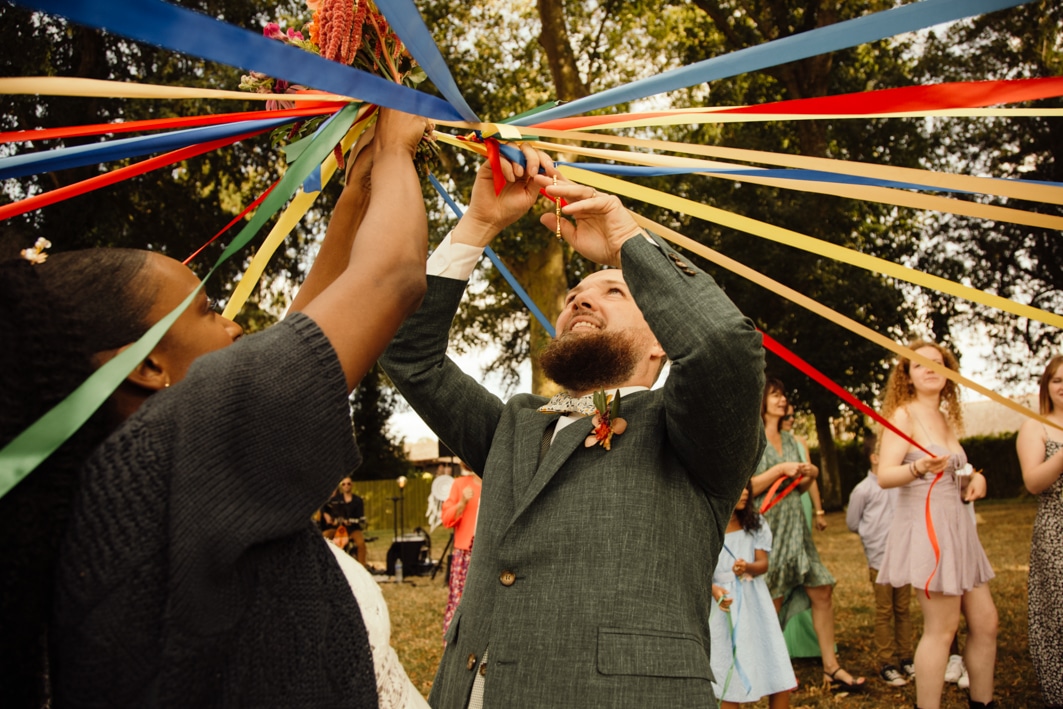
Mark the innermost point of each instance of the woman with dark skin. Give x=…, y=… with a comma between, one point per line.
x=124, y=582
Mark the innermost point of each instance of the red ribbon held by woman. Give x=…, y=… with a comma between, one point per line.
x=770, y=499
x=933, y=536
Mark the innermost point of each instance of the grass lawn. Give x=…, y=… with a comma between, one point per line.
x=1004, y=527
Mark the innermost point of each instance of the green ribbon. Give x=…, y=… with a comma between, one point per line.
x=31, y=447
x=734, y=646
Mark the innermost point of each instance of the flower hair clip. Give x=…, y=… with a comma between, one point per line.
x=607, y=421
x=35, y=254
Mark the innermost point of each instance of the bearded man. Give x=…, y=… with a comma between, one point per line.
x=598, y=529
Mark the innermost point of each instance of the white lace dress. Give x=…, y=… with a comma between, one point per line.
x=393, y=686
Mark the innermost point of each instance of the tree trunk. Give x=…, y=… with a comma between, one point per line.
x=562, y=60
x=830, y=487
x=544, y=272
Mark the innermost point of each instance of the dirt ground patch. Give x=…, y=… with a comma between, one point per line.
x=1004, y=527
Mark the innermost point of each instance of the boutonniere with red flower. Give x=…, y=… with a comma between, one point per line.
x=607, y=421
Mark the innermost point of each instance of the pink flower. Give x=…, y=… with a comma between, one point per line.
x=273, y=31
x=292, y=34
x=280, y=86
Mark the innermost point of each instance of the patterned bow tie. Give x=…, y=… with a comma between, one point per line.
x=565, y=404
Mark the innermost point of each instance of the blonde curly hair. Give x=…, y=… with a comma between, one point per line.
x=899, y=390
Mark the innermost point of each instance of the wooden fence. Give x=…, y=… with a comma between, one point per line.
x=380, y=509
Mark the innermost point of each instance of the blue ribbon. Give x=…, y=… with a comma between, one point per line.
x=785, y=174
x=192, y=33
x=521, y=293
x=78, y=156
x=732, y=625
x=406, y=22
x=832, y=38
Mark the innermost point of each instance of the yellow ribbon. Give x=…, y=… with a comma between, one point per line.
x=832, y=315
x=1018, y=189
x=291, y=216
x=807, y=243
x=72, y=86
x=867, y=193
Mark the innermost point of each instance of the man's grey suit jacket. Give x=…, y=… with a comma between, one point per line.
x=590, y=578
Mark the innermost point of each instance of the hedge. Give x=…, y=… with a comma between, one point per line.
x=993, y=455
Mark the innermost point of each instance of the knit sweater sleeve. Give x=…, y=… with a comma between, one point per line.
x=262, y=436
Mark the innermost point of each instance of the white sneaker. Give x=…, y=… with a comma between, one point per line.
x=964, y=682
x=955, y=669
x=892, y=676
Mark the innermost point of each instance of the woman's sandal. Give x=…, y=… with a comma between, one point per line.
x=831, y=682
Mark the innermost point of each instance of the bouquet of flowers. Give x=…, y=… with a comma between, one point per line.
x=352, y=32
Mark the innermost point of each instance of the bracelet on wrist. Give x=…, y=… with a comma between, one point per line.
x=914, y=471
x=820, y=512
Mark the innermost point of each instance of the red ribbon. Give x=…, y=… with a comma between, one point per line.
x=933, y=536
x=962, y=94
x=494, y=156
x=94, y=183
x=228, y=226
x=825, y=381
x=494, y=159
x=564, y=202
x=770, y=501
x=315, y=109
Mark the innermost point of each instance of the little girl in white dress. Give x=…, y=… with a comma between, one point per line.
x=749, y=657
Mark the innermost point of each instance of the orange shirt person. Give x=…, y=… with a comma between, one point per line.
x=459, y=514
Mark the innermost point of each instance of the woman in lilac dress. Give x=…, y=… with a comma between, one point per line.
x=945, y=561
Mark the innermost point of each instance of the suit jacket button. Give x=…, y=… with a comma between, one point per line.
x=483, y=669
x=470, y=664
x=508, y=578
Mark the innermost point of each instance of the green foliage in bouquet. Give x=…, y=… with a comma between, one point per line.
x=351, y=32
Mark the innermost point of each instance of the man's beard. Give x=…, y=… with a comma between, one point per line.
x=590, y=361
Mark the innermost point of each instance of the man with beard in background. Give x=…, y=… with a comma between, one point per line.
x=598, y=534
